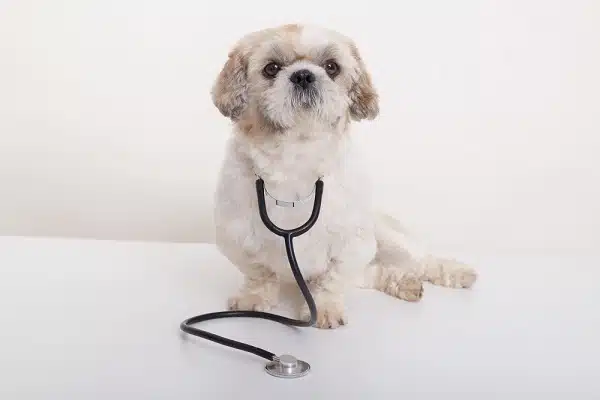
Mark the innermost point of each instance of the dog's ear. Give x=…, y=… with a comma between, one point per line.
x=230, y=90
x=364, y=100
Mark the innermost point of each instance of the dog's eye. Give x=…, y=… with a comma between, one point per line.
x=332, y=68
x=271, y=70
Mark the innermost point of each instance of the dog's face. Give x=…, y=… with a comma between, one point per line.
x=277, y=78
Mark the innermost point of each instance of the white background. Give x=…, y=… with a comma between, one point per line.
x=488, y=136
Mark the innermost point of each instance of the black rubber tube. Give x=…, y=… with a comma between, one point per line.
x=288, y=236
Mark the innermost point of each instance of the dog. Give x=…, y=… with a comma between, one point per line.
x=292, y=93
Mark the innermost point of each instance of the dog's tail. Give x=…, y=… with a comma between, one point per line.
x=401, y=263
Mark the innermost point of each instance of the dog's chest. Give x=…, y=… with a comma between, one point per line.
x=312, y=248
x=292, y=165
x=290, y=170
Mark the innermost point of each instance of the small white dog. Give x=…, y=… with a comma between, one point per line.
x=292, y=92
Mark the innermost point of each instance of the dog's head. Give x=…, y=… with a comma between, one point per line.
x=281, y=76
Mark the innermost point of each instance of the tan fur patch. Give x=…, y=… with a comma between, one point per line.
x=229, y=91
x=365, y=100
x=291, y=28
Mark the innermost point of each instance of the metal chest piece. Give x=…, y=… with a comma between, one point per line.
x=286, y=366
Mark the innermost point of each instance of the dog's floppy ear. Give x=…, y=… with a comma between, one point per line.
x=364, y=100
x=230, y=90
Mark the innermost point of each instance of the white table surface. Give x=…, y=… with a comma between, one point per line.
x=83, y=319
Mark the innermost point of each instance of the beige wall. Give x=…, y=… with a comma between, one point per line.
x=489, y=133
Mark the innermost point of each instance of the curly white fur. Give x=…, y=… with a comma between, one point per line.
x=351, y=244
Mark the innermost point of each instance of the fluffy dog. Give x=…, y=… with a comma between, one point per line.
x=292, y=93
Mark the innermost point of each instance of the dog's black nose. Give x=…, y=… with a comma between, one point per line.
x=302, y=78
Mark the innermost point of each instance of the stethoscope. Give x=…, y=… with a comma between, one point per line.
x=283, y=366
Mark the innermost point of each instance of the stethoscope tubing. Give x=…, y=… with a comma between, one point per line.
x=288, y=236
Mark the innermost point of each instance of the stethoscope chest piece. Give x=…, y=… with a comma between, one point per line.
x=287, y=366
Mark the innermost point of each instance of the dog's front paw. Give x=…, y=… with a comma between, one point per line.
x=330, y=315
x=249, y=302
